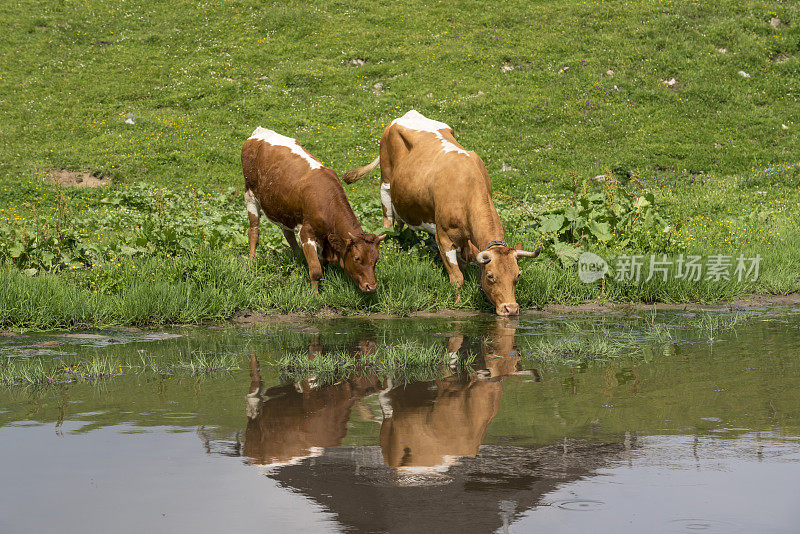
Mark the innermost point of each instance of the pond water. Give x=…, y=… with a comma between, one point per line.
x=698, y=430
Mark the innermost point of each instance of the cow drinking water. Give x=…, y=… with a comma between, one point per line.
x=291, y=188
x=431, y=183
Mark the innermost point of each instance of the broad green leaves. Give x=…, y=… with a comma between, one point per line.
x=551, y=224
x=614, y=217
x=135, y=221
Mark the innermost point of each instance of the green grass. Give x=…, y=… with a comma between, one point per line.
x=199, y=79
x=526, y=86
x=405, y=362
x=404, y=359
x=213, y=286
x=580, y=344
x=37, y=371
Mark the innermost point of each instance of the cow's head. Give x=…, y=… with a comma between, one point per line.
x=358, y=254
x=499, y=274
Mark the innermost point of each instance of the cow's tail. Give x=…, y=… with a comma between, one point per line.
x=354, y=175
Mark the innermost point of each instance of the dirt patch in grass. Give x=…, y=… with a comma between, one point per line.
x=77, y=178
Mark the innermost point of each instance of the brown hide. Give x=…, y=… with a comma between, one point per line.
x=431, y=429
x=430, y=425
x=287, y=425
x=282, y=186
x=437, y=186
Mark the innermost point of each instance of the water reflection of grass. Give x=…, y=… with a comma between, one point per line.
x=582, y=343
x=48, y=371
x=405, y=362
x=422, y=359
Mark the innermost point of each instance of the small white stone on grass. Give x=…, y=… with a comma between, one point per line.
x=506, y=168
x=743, y=74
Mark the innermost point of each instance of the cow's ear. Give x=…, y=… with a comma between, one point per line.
x=336, y=241
x=519, y=246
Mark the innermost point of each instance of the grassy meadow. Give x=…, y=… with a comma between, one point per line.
x=688, y=109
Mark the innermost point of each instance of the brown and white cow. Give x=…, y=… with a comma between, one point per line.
x=286, y=424
x=291, y=188
x=431, y=183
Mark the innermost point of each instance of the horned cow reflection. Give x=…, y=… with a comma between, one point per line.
x=428, y=426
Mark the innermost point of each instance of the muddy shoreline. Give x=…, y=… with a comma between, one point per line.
x=252, y=318
x=249, y=317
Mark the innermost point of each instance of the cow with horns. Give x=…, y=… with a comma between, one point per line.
x=431, y=183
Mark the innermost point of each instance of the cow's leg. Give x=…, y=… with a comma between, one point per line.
x=450, y=259
x=255, y=396
x=385, y=400
x=312, y=258
x=252, y=234
x=292, y=240
x=386, y=206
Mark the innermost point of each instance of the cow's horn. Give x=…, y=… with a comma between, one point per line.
x=483, y=257
x=526, y=254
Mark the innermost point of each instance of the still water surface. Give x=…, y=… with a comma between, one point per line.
x=682, y=435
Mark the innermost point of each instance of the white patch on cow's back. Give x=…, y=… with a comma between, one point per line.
x=417, y=121
x=414, y=120
x=252, y=203
x=451, y=256
x=386, y=200
x=276, y=139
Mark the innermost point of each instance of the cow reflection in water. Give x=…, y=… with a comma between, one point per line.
x=286, y=424
x=430, y=473
x=427, y=426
